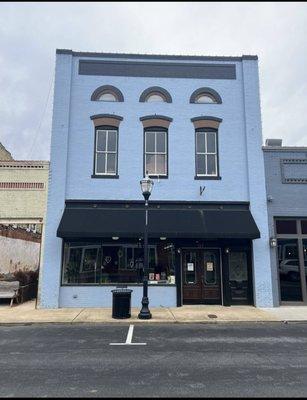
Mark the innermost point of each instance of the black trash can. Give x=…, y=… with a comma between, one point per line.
x=121, y=305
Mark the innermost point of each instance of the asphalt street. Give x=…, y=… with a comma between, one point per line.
x=194, y=360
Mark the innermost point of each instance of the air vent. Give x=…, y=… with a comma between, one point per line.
x=273, y=142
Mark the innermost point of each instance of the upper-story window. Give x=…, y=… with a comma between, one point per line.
x=205, y=96
x=206, y=152
x=106, y=145
x=106, y=151
x=156, y=145
x=156, y=151
x=107, y=93
x=155, y=94
x=107, y=96
x=155, y=97
x=206, y=147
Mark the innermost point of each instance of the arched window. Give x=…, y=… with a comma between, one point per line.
x=107, y=93
x=155, y=94
x=155, y=97
x=205, y=96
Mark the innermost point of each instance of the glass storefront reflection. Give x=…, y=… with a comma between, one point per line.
x=289, y=270
x=96, y=263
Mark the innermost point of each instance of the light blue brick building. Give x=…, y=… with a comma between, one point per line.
x=194, y=124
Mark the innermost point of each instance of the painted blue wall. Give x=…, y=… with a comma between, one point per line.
x=289, y=199
x=240, y=154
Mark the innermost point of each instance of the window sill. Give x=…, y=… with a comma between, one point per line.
x=158, y=177
x=105, y=176
x=205, y=178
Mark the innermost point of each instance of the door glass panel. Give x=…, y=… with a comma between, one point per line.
x=190, y=267
x=238, y=278
x=210, y=268
x=289, y=271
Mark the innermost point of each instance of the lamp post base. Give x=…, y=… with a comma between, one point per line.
x=144, y=313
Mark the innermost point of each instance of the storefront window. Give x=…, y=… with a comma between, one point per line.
x=284, y=226
x=289, y=270
x=304, y=226
x=88, y=263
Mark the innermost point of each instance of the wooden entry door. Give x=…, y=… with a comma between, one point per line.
x=201, y=276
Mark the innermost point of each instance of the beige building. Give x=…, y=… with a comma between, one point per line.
x=23, y=189
x=23, y=199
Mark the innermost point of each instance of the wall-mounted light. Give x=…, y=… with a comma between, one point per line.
x=227, y=250
x=270, y=198
x=115, y=237
x=273, y=242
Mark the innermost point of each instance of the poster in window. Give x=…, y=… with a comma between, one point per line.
x=209, y=266
x=190, y=266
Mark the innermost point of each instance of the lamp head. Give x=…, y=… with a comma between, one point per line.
x=146, y=186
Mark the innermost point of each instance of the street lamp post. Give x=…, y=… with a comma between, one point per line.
x=146, y=186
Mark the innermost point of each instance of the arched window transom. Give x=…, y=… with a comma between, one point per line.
x=107, y=93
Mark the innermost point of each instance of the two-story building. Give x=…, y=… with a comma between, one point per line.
x=194, y=124
x=286, y=182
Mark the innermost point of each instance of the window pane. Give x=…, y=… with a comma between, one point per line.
x=286, y=226
x=211, y=165
x=161, y=167
x=203, y=98
x=160, y=137
x=210, y=266
x=155, y=98
x=112, y=140
x=107, y=97
x=211, y=142
x=190, y=267
x=200, y=142
x=101, y=140
x=111, y=163
x=200, y=164
x=100, y=164
x=304, y=226
x=238, y=278
x=150, y=141
x=289, y=270
x=150, y=164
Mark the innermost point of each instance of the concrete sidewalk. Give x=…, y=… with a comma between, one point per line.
x=26, y=313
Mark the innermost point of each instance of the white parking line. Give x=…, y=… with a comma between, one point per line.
x=129, y=339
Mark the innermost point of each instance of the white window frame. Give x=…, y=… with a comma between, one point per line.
x=106, y=152
x=206, y=153
x=156, y=153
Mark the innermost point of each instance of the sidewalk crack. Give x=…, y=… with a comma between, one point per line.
x=77, y=315
x=172, y=314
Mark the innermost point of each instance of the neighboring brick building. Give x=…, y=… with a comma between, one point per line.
x=23, y=197
x=194, y=124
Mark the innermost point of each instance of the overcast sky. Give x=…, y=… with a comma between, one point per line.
x=30, y=33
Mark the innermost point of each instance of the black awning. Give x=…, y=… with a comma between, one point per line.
x=89, y=222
